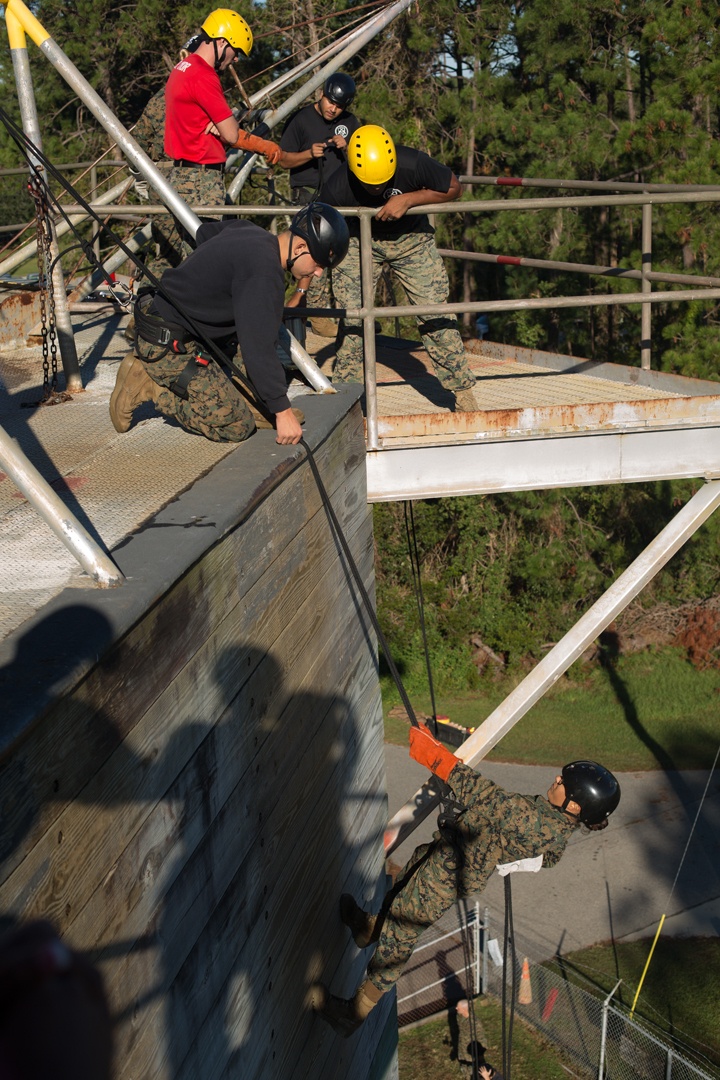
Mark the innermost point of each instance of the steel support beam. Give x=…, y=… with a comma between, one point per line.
x=489, y=467
x=546, y=673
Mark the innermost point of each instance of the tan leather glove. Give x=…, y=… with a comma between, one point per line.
x=427, y=751
x=269, y=150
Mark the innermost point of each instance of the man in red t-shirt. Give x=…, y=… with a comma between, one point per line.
x=199, y=123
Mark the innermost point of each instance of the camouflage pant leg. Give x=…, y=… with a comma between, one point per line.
x=348, y=366
x=214, y=407
x=415, y=261
x=164, y=251
x=165, y=248
x=428, y=886
x=198, y=187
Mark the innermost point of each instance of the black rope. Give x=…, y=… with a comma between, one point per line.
x=508, y=944
x=414, y=554
x=360, y=584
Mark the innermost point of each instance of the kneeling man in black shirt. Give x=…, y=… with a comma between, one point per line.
x=231, y=290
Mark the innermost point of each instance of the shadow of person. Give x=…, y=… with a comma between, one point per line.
x=194, y=844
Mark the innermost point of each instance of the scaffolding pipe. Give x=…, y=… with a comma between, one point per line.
x=119, y=134
x=316, y=80
x=547, y=672
x=290, y=77
x=55, y=513
x=581, y=185
x=646, y=314
x=618, y=272
x=368, y=324
x=56, y=283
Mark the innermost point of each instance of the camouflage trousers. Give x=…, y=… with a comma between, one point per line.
x=427, y=886
x=415, y=262
x=214, y=407
x=198, y=187
x=164, y=250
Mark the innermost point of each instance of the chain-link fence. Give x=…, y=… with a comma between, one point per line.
x=446, y=966
x=457, y=959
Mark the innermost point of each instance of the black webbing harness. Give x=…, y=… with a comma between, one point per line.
x=171, y=338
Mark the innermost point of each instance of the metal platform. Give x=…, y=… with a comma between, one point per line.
x=542, y=421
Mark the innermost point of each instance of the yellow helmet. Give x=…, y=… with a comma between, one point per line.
x=226, y=23
x=371, y=155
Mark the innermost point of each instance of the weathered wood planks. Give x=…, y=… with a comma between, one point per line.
x=191, y=812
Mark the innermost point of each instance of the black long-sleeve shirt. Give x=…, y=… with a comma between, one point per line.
x=233, y=283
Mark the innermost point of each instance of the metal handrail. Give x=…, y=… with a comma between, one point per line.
x=69, y=166
x=700, y=287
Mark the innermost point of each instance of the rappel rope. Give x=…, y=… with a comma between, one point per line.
x=414, y=555
x=508, y=946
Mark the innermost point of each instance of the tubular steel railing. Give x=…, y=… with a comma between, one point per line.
x=699, y=287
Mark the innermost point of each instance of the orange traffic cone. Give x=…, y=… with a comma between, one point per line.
x=525, y=990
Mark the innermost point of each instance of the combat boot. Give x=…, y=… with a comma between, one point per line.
x=343, y=1015
x=364, y=927
x=324, y=327
x=133, y=385
x=465, y=400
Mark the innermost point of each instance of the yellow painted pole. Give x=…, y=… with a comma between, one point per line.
x=647, y=965
x=20, y=20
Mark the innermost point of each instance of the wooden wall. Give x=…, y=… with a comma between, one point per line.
x=190, y=808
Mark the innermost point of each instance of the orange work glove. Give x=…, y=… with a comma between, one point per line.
x=429, y=752
x=269, y=150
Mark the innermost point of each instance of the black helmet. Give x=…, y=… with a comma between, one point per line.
x=340, y=89
x=324, y=230
x=593, y=788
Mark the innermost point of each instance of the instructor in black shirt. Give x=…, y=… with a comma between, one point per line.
x=314, y=140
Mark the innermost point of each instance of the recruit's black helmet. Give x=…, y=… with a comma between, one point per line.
x=324, y=230
x=593, y=788
x=340, y=89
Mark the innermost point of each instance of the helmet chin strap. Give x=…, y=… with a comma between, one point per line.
x=219, y=59
x=292, y=259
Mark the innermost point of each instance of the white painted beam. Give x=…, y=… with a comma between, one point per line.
x=422, y=472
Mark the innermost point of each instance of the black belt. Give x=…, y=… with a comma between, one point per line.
x=181, y=163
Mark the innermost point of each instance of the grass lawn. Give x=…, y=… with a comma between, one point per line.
x=681, y=989
x=679, y=997
x=649, y=711
x=431, y=1050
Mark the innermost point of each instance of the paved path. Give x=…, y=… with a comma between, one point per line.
x=609, y=885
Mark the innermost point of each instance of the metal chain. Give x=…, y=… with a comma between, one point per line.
x=51, y=395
